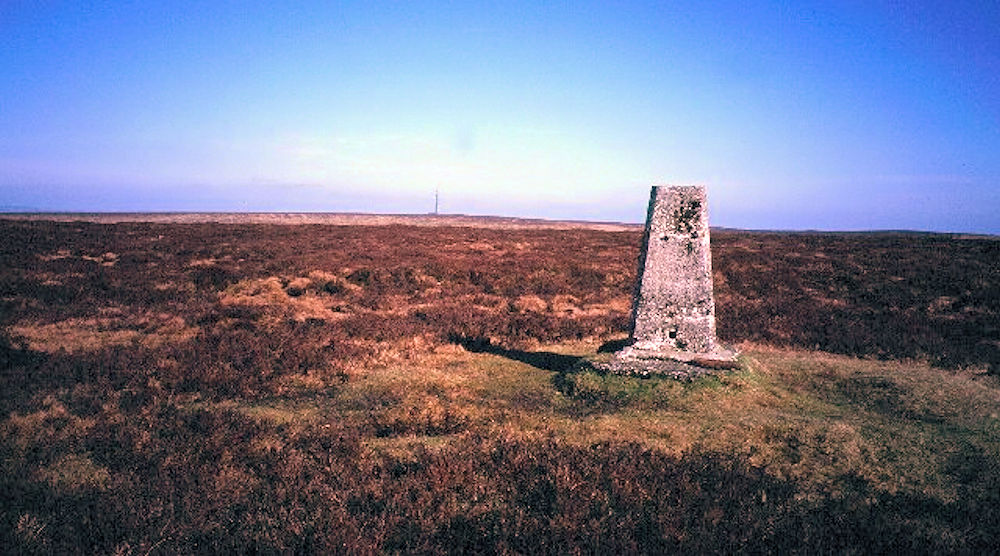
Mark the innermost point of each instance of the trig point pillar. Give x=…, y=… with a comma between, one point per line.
x=673, y=309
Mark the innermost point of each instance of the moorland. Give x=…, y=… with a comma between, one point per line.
x=261, y=387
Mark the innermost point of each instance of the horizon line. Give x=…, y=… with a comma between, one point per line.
x=107, y=217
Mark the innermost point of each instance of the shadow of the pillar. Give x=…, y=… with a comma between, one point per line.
x=545, y=360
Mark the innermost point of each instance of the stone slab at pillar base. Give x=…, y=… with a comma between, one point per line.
x=678, y=365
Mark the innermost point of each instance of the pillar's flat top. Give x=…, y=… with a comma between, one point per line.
x=669, y=186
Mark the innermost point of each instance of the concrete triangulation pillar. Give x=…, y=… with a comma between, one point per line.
x=673, y=308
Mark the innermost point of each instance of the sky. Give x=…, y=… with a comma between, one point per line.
x=796, y=115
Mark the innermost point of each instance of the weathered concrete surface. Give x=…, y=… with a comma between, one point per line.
x=673, y=307
x=673, y=315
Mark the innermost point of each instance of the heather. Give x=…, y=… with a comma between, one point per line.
x=308, y=388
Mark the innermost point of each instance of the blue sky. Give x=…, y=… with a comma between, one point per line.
x=844, y=115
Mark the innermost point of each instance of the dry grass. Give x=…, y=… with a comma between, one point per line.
x=76, y=335
x=804, y=417
x=301, y=298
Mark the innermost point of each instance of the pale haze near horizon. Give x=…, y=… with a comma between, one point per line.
x=796, y=116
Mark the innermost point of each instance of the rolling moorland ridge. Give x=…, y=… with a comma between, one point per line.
x=360, y=384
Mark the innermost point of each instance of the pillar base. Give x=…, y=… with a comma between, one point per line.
x=679, y=365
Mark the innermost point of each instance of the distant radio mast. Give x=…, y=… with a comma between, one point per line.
x=435, y=201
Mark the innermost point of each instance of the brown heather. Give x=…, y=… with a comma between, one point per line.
x=179, y=388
